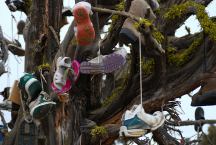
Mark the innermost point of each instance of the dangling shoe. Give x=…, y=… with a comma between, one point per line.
x=20, y=26
x=136, y=122
x=40, y=107
x=207, y=94
x=104, y=64
x=15, y=5
x=60, y=82
x=129, y=34
x=199, y=115
x=5, y=93
x=84, y=30
x=30, y=85
x=62, y=68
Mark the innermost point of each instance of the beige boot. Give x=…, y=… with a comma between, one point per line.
x=129, y=34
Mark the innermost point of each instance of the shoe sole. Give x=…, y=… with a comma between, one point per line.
x=109, y=64
x=46, y=108
x=85, y=31
x=124, y=132
x=126, y=36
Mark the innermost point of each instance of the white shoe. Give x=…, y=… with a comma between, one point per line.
x=62, y=67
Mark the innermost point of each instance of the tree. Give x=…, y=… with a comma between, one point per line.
x=167, y=76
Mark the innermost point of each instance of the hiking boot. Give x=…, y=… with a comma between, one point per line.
x=129, y=34
x=206, y=95
x=84, y=30
x=15, y=5
x=5, y=93
x=199, y=115
x=40, y=107
x=104, y=64
x=20, y=27
x=136, y=122
x=30, y=86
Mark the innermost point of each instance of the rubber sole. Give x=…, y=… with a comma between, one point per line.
x=44, y=109
x=109, y=64
x=124, y=132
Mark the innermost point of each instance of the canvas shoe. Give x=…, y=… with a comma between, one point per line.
x=40, y=107
x=199, y=115
x=62, y=67
x=136, y=122
x=84, y=30
x=104, y=64
x=14, y=5
x=30, y=85
x=75, y=68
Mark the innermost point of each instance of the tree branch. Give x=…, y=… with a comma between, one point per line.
x=190, y=122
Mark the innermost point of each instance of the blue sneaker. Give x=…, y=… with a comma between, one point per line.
x=136, y=122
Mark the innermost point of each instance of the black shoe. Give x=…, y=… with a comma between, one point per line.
x=5, y=93
x=15, y=5
x=199, y=115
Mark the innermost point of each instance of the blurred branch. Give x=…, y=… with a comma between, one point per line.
x=190, y=122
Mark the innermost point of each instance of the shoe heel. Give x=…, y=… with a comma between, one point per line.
x=123, y=131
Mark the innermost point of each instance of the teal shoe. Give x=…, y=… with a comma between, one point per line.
x=30, y=85
x=40, y=107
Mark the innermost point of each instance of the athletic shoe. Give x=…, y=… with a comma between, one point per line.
x=40, y=107
x=130, y=35
x=104, y=64
x=30, y=85
x=136, y=122
x=84, y=30
x=62, y=67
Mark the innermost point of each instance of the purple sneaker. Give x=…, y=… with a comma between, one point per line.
x=104, y=64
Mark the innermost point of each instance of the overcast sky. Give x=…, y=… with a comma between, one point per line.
x=16, y=65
